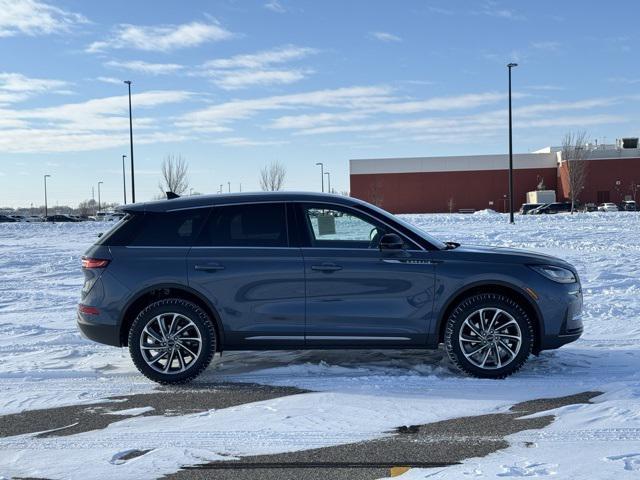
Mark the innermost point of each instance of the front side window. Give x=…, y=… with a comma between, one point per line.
x=338, y=228
x=251, y=225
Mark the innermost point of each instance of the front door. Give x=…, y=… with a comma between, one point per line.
x=243, y=263
x=358, y=295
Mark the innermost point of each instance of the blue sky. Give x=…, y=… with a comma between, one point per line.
x=234, y=85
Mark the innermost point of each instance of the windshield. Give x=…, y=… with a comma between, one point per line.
x=421, y=233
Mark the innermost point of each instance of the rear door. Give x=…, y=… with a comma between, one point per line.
x=244, y=264
x=358, y=295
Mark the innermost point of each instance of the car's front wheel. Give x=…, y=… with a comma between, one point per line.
x=488, y=336
x=172, y=341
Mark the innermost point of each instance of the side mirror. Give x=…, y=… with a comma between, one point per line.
x=391, y=241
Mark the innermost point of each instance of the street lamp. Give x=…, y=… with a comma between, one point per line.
x=229, y=185
x=328, y=174
x=321, y=174
x=220, y=188
x=133, y=184
x=124, y=181
x=99, y=183
x=510, y=66
x=45, y=197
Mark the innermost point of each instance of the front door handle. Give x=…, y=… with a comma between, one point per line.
x=326, y=267
x=210, y=267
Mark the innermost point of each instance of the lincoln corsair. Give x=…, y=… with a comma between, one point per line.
x=179, y=280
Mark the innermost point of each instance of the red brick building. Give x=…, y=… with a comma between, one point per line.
x=443, y=184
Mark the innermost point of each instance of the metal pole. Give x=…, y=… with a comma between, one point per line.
x=46, y=213
x=220, y=188
x=124, y=181
x=99, y=183
x=229, y=185
x=321, y=175
x=328, y=174
x=133, y=182
x=510, y=66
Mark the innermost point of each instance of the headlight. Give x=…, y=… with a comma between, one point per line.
x=557, y=274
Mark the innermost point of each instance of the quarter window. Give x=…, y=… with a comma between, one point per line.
x=256, y=225
x=168, y=229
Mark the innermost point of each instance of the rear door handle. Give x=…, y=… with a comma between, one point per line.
x=326, y=267
x=211, y=267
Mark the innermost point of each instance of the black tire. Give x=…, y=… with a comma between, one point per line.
x=185, y=310
x=469, y=308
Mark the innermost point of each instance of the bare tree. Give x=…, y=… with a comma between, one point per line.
x=272, y=177
x=175, y=175
x=574, y=152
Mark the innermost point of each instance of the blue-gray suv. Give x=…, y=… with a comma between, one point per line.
x=181, y=279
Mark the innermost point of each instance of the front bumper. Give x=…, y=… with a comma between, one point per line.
x=563, y=316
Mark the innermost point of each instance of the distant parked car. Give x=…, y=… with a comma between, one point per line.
x=526, y=208
x=552, y=208
x=7, y=219
x=589, y=207
x=61, y=218
x=607, y=207
x=628, y=206
x=33, y=219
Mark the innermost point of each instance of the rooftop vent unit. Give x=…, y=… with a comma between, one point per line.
x=631, y=142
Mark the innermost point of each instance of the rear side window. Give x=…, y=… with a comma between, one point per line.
x=168, y=229
x=257, y=225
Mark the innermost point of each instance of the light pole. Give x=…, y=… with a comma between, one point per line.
x=99, y=183
x=133, y=183
x=124, y=181
x=220, y=188
x=328, y=174
x=229, y=185
x=321, y=174
x=45, y=197
x=510, y=66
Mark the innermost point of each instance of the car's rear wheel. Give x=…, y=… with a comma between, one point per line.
x=489, y=336
x=172, y=341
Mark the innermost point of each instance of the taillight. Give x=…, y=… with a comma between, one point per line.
x=94, y=262
x=88, y=310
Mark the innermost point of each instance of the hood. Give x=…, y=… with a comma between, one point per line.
x=480, y=253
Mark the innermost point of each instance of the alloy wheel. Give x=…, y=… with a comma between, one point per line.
x=170, y=343
x=490, y=338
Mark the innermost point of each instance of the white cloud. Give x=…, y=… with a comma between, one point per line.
x=385, y=37
x=145, y=67
x=262, y=59
x=314, y=120
x=16, y=87
x=109, y=80
x=245, y=78
x=246, y=70
x=274, y=6
x=529, y=116
x=89, y=125
x=246, y=142
x=31, y=17
x=219, y=115
x=162, y=38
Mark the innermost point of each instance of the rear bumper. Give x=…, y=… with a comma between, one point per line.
x=93, y=330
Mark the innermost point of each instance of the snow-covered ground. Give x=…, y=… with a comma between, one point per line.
x=358, y=395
